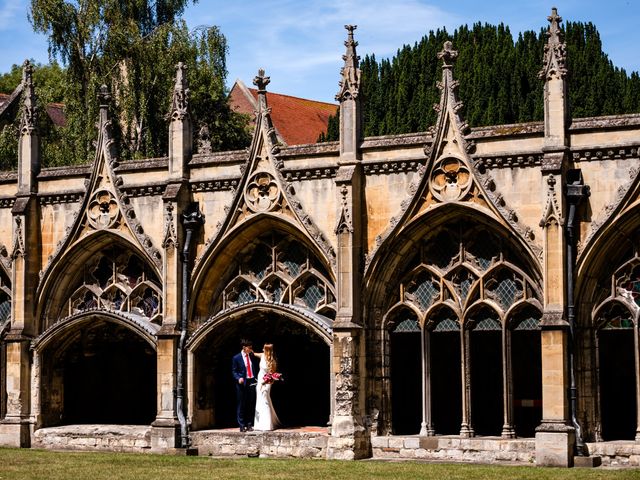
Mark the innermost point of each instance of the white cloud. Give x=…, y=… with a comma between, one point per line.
x=302, y=41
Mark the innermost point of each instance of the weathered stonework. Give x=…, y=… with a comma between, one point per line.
x=431, y=295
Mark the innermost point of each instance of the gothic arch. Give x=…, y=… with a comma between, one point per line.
x=320, y=325
x=463, y=277
x=385, y=267
x=55, y=288
x=59, y=330
x=96, y=367
x=609, y=301
x=302, y=342
x=210, y=271
x=609, y=247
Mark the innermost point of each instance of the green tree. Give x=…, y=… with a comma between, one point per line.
x=50, y=81
x=498, y=79
x=132, y=46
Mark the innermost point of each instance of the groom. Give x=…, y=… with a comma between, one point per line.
x=245, y=366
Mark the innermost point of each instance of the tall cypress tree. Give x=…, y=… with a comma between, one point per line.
x=498, y=79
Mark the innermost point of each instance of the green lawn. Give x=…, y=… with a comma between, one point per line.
x=17, y=464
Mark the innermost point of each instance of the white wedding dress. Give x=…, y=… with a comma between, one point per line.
x=265, y=418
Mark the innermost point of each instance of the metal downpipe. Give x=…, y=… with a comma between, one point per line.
x=192, y=219
x=576, y=191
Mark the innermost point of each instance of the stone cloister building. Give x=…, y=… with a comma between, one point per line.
x=458, y=293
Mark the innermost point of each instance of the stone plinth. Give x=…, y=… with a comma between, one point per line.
x=302, y=443
x=454, y=448
x=119, y=438
x=554, y=445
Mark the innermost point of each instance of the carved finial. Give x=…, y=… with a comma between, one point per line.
x=350, y=73
x=180, y=99
x=554, y=33
x=29, y=114
x=261, y=81
x=555, y=50
x=104, y=96
x=448, y=55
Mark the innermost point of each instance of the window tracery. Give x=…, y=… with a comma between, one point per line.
x=622, y=299
x=463, y=269
x=119, y=281
x=279, y=269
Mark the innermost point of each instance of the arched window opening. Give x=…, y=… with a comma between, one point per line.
x=101, y=373
x=617, y=373
x=302, y=400
x=615, y=330
x=460, y=272
x=446, y=373
x=487, y=402
x=526, y=368
x=406, y=373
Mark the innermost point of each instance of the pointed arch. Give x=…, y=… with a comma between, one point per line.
x=209, y=274
x=55, y=286
x=68, y=325
x=96, y=367
x=612, y=246
x=392, y=257
x=320, y=325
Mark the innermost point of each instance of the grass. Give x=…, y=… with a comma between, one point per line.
x=21, y=464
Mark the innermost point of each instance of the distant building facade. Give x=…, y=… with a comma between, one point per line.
x=461, y=293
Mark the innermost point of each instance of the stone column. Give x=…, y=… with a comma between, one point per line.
x=466, y=428
x=165, y=433
x=349, y=437
x=555, y=437
x=16, y=427
x=507, y=428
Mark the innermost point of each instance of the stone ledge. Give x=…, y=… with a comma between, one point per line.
x=123, y=438
x=454, y=448
x=278, y=443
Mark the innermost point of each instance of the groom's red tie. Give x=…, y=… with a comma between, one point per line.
x=249, y=374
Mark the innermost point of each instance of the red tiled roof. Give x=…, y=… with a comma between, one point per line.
x=297, y=120
x=55, y=111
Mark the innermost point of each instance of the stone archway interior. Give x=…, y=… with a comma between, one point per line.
x=104, y=374
x=463, y=282
x=615, y=330
x=302, y=399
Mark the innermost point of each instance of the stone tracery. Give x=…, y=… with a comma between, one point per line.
x=117, y=281
x=281, y=270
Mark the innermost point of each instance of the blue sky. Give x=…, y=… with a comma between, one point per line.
x=300, y=42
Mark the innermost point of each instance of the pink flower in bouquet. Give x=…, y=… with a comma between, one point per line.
x=270, y=378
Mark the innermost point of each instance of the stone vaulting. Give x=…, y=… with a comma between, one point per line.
x=453, y=294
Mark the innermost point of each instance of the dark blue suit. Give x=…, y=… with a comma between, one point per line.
x=245, y=392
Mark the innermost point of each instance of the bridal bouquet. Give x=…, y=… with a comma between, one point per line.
x=270, y=378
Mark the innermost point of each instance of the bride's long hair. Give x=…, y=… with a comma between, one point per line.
x=272, y=365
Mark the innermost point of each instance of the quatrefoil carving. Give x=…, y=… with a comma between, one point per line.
x=262, y=193
x=103, y=210
x=450, y=179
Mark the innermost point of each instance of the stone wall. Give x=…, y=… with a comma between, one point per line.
x=280, y=444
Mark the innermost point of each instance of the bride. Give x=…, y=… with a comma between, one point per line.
x=265, y=418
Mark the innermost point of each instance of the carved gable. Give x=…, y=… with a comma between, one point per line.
x=263, y=189
x=105, y=207
x=449, y=175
